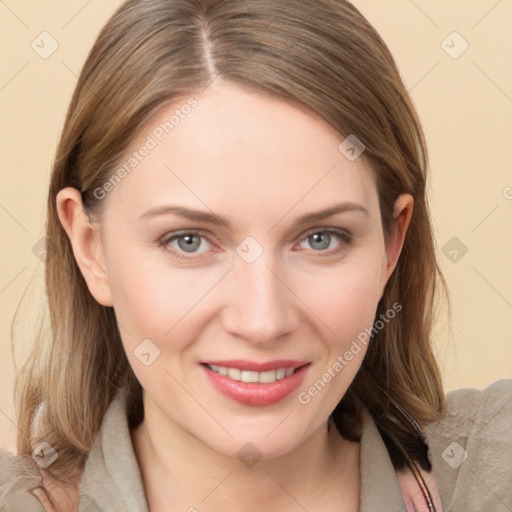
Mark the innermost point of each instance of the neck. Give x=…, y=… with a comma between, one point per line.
x=179, y=469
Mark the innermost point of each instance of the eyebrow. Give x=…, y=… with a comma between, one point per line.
x=203, y=216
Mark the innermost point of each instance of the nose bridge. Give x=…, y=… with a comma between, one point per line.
x=260, y=307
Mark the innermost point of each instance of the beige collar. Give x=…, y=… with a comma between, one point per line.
x=112, y=479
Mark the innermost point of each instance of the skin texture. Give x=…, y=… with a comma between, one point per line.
x=260, y=163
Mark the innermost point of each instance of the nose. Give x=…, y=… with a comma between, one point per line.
x=260, y=308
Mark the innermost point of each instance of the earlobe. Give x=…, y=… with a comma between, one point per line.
x=86, y=243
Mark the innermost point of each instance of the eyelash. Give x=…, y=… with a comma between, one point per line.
x=344, y=236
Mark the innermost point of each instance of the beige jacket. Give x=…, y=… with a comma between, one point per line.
x=470, y=448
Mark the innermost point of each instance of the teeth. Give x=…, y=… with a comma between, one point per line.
x=234, y=373
x=250, y=376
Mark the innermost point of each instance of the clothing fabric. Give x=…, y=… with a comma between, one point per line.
x=470, y=449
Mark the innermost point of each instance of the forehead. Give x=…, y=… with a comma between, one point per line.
x=242, y=152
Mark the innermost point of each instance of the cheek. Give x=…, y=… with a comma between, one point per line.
x=344, y=298
x=146, y=297
x=150, y=297
x=149, y=301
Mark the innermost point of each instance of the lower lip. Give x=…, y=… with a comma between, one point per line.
x=255, y=393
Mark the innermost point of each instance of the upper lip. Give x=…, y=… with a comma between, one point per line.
x=255, y=366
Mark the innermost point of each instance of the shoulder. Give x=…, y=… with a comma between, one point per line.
x=470, y=411
x=471, y=447
x=24, y=486
x=19, y=477
x=490, y=399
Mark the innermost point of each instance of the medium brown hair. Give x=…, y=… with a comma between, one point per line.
x=322, y=55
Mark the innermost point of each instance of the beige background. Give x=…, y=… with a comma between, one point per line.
x=465, y=104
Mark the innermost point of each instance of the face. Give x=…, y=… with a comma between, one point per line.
x=244, y=236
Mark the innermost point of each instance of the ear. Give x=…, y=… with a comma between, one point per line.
x=86, y=243
x=393, y=245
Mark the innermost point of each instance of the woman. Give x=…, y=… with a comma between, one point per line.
x=241, y=279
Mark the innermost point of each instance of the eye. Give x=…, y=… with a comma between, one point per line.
x=188, y=242
x=323, y=240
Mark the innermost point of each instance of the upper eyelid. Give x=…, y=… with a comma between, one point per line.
x=338, y=231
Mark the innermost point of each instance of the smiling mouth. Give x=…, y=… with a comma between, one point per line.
x=240, y=381
x=252, y=376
